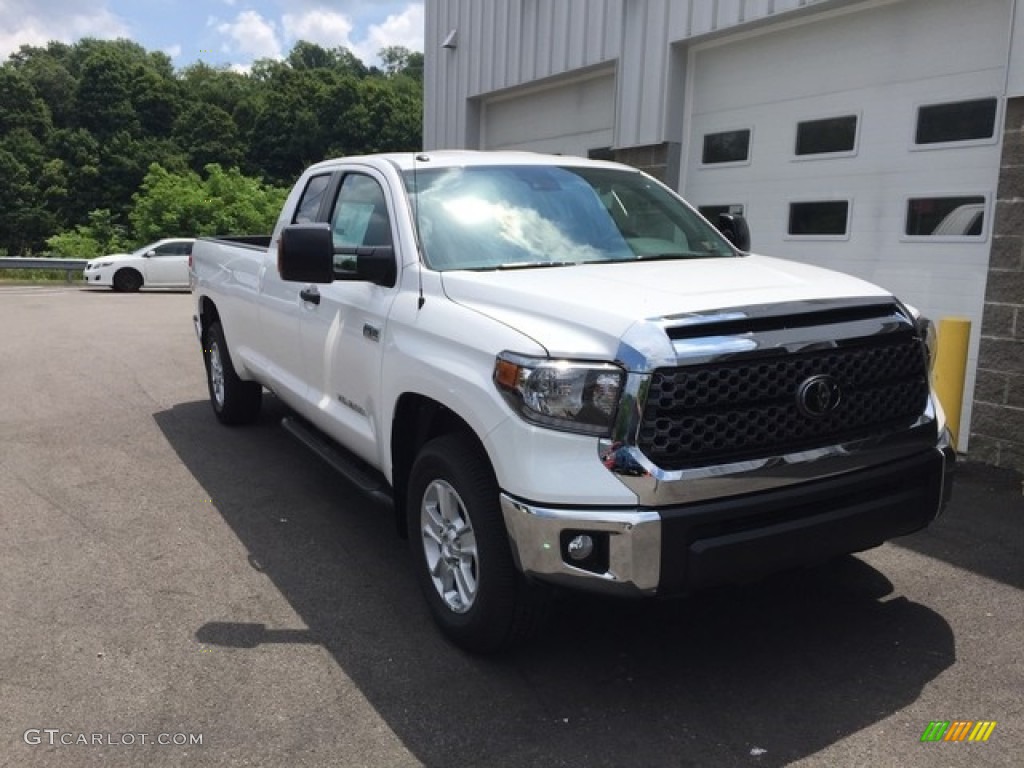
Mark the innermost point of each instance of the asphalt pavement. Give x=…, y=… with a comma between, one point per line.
x=177, y=593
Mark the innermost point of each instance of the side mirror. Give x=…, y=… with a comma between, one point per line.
x=735, y=229
x=366, y=263
x=305, y=253
x=377, y=265
x=149, y=254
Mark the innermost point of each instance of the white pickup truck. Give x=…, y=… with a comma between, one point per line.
x=560, y=374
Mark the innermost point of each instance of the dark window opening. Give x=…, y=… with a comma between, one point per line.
x=819, y=218
x=835, y=134
x=726, y=147
x=945, y=216
x=710, y=212
x=956, y=121
x=312, y=197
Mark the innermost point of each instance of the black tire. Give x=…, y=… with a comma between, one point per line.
x=492, y=608
x=127, y=280
x=234, y=401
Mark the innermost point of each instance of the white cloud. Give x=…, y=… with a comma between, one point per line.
x=331, y=29
x=174, y=51
x=39, y=22
x=405, y=29
x=252, y=35
x=323, y=27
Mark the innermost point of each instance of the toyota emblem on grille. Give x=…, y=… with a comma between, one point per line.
x=818, y=396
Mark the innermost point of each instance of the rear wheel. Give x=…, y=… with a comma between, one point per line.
x=461, y=550
x=234, y=401
x=127, y=280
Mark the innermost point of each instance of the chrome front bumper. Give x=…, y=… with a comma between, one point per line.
x=674, y=549
x=634, y=545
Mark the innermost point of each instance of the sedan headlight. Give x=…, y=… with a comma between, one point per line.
x=561, y=394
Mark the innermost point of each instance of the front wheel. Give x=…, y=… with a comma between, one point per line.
x=461, y=550
x=234, y=400
x=127, y=280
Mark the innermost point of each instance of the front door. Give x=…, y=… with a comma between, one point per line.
x=343, y=335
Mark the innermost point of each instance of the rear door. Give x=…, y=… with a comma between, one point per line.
x=167, y=264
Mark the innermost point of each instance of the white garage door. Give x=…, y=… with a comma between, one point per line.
x=569, y=119
x=860, y=142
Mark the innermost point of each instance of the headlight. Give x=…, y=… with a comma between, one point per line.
x=926, y=330
x=560, y=394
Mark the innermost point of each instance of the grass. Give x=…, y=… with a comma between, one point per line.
x=38, y=276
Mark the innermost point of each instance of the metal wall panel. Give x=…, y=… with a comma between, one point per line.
x=569, y=118
x=502, y=44
x=505, y=44
x=1015, y=74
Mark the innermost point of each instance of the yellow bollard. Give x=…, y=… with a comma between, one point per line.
x=950, y=369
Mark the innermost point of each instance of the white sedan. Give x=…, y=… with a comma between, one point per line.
x=163, y=264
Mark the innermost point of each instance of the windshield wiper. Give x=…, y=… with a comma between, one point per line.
x=538, y=264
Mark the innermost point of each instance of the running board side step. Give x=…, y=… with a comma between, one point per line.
x=346, y=464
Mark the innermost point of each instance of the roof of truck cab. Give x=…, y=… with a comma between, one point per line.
x=458, y=158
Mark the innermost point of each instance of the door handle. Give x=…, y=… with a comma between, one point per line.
x=311, y=294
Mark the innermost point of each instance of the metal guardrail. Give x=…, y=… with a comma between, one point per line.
x=68, y=265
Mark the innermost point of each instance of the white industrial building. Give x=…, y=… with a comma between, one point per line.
x=878, y=137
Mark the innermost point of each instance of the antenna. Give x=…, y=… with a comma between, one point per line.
x=416, y=220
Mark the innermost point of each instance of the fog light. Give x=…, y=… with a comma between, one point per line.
x=580, y=547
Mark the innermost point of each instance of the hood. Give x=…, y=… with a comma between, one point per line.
x=113, y=257
x=583, y=311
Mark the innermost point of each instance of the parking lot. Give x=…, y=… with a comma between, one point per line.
x=168, y=581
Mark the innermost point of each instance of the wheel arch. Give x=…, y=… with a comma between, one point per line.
x=208, y=314
x=127, y=269
x=418, y=419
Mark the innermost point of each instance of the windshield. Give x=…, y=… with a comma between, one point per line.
x=507, y=217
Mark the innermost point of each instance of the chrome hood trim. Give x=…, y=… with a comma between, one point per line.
x=733, y=334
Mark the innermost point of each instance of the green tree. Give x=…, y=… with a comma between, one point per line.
x=50, y=78
x=388, y=117
x=156, y=100
x=399, y=60
x=203, y=84
x=180, y=204
x=104, y=95
x=209, y=135
x=22, y=108
x=25, y=219
x=81, y=124
x=102, y=235
x=76, y=154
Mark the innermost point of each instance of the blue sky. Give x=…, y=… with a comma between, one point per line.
x=228, y=32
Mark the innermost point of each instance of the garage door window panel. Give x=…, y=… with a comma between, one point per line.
x=726, y=148
x=820, y=219
x=946, y=218
x=827, y=137
x=956, y=123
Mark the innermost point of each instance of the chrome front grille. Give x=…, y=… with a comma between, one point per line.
x=727, y=411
